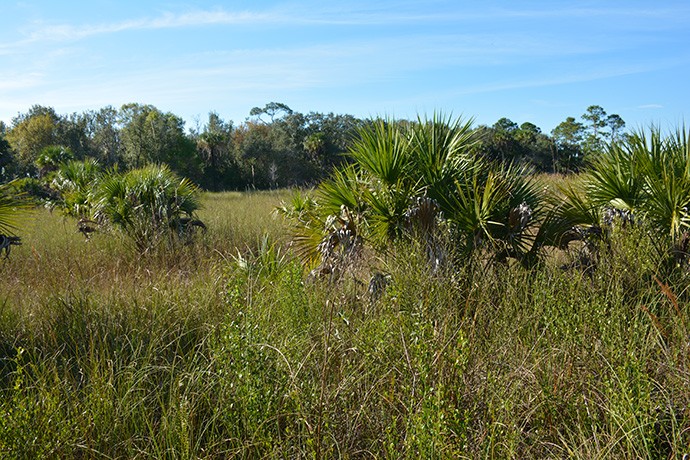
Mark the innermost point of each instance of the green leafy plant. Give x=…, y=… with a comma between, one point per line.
x=76, y=182
x=148, y=204
x=645, y=177
x=12, y=209
x=51, y=158
x=408, y=176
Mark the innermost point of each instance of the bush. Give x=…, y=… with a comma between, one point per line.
x=149, y=205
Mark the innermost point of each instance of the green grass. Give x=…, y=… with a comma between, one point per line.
x=186, y=353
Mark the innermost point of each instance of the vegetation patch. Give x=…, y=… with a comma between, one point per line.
x=421, y=302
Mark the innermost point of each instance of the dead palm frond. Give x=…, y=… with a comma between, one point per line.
x=6, y=243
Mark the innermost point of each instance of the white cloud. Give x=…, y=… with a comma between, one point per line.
x=650, y=106
x=388, y=14
x=165, y=21
x=19, y=82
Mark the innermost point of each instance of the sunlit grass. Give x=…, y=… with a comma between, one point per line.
x=186, y=353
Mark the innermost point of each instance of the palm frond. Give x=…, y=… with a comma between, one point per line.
x=569, y=210
x=615, y=178
x=344, y=188
x=439, y=147
x=382, y=151
x=147, y=203
x=13, y=209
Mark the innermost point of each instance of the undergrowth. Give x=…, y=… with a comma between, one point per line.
x=227, y=349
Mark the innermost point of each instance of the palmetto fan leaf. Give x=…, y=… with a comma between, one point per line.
x=615, y=178
x=569, y=210
x=493, y=208
x=439, y=153
x=649, y=175
x=387, y=207
x=439, y=148
x=477, y=205
x=76, y=182
x=308, y=226
x=382, y=151
x=114, y=204
x=667, y=202
x=12, y=210
x=398, y=166
x=147, y=203
x=666, y=175
x=477, y=201
x=344, y=188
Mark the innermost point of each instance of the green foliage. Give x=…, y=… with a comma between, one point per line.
x=107, y=354
x=12, y=209
x=52, y=157
x=649, y=175
x=272, y=109
x=77, y=183
x=643, y=179
x=507, y=142
x=405, y=172
x=439, y=150
x=382, y=152
x=494, y=209
x=34, y=190
x=147, y=204
x=567, y=137
x=215, y=149
x=151, y=136
x=665, y=168
x=103, y=134
x=615, y=179
x=31, y=133
x=287, y=148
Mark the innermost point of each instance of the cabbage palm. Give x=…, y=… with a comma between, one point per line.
x=308, y=224
x=382, y=152
x=76, y=182
x=615, y=179
x=401, y=161
x=647, y=175
x=666, y=171
x=147, y=204
x=440, y=151
x=495, y=208
x=52, y=157
x=407, y=171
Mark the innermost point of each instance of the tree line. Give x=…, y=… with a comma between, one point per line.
x=274, y=147
x=570, y=146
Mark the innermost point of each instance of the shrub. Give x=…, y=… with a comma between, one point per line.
x=414, y=181
x=148, y=204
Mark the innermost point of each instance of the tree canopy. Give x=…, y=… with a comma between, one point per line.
x=275, y=146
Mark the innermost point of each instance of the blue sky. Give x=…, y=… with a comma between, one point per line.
x=536, y=61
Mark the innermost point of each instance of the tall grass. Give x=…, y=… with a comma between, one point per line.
x=225, y=349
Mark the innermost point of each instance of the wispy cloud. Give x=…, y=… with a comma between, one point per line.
x=566, y=77
x=650, y=106
x=165, y=21
x=336, y=15
x=20, y=81
x=391, y=50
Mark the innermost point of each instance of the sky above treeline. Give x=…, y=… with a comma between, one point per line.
x=536, y=61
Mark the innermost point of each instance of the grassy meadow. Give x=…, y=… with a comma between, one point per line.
x=226, y=348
